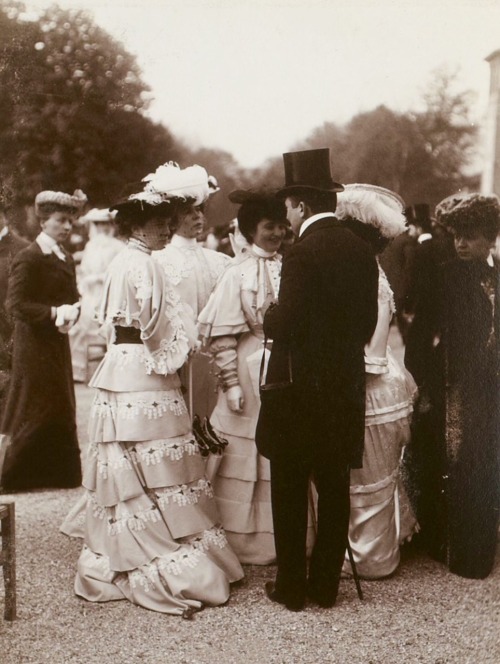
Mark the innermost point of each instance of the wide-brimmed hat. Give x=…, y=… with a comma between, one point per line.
x=169, y=183
x=308, y=171
x=374, y=206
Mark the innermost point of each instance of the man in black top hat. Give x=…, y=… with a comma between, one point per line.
x=326, y=314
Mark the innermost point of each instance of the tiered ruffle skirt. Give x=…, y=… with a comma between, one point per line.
x=148, y=518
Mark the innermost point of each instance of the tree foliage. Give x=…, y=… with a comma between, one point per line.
x=71, y=110
x=423, y=156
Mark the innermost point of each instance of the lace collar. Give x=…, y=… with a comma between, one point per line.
x=135, y=243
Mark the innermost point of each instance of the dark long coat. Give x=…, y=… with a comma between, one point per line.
x=40, y=409
x=453, y=351
x=10, y=245
x=327, y=312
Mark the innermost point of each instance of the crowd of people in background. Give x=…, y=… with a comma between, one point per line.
x=189, y=473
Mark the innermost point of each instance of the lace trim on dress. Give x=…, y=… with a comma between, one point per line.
x=159, y=360
x=148, y=453
x=142, y=283
x=182, y=495
x=129, y=407
x=188, y=556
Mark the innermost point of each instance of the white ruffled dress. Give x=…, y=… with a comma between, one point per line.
x=381, y=517
x=150, y=526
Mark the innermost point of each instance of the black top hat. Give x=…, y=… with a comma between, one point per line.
x=308, y=170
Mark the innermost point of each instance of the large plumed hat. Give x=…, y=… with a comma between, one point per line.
x=375, y=206
x=74, y=201
x=171, y=183
x=308, y=171
x=472, y=211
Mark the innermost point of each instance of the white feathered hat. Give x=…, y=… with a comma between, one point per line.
x=170, y=182
x=372, y=205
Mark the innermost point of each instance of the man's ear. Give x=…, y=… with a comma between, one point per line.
x=304, y=210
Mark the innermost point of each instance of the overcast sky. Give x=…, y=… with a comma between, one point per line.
x=254, y=76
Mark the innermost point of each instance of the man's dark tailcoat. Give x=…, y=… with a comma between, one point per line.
x=326, y=314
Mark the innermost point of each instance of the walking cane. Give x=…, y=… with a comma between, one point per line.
x=354, y=570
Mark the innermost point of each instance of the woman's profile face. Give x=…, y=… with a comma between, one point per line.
x=58, y=225
x=472, y=245
x=269, y=234
x=155, y=233
x=191, y=221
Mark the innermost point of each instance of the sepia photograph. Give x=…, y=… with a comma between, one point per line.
x=249, y=332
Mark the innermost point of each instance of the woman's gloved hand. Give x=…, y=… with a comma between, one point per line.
x=235, y=401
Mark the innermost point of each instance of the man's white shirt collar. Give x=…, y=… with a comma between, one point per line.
x=4, y=232
x=315, y=217
x=48, y=245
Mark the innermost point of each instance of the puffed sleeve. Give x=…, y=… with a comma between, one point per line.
x=223, y=314
x=136, y=294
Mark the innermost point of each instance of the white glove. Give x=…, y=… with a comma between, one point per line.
x=235, y=400
x=66, y=316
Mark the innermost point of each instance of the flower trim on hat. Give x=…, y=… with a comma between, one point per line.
x=375, y=206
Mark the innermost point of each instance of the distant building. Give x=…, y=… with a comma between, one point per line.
x=490, y=181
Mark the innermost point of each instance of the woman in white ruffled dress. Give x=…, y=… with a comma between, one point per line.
x=99, y=251
x=231, y=324
x=151, y=531
x=380, y=517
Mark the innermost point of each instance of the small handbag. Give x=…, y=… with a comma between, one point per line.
x=274, y=424
x=207, y=439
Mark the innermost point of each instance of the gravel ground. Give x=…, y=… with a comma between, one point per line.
x=422, y=614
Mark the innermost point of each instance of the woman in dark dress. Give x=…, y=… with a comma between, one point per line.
x=453, y=352
x=39, y=418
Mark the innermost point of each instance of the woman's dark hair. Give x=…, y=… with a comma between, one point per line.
x=367, y=233
x=135, y=213
x=254, y=211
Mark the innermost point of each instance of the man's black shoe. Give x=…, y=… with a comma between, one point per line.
x=321, y=599
x=274, y=596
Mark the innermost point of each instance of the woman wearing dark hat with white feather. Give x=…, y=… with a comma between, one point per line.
x=151, y=530
x=39, y=421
